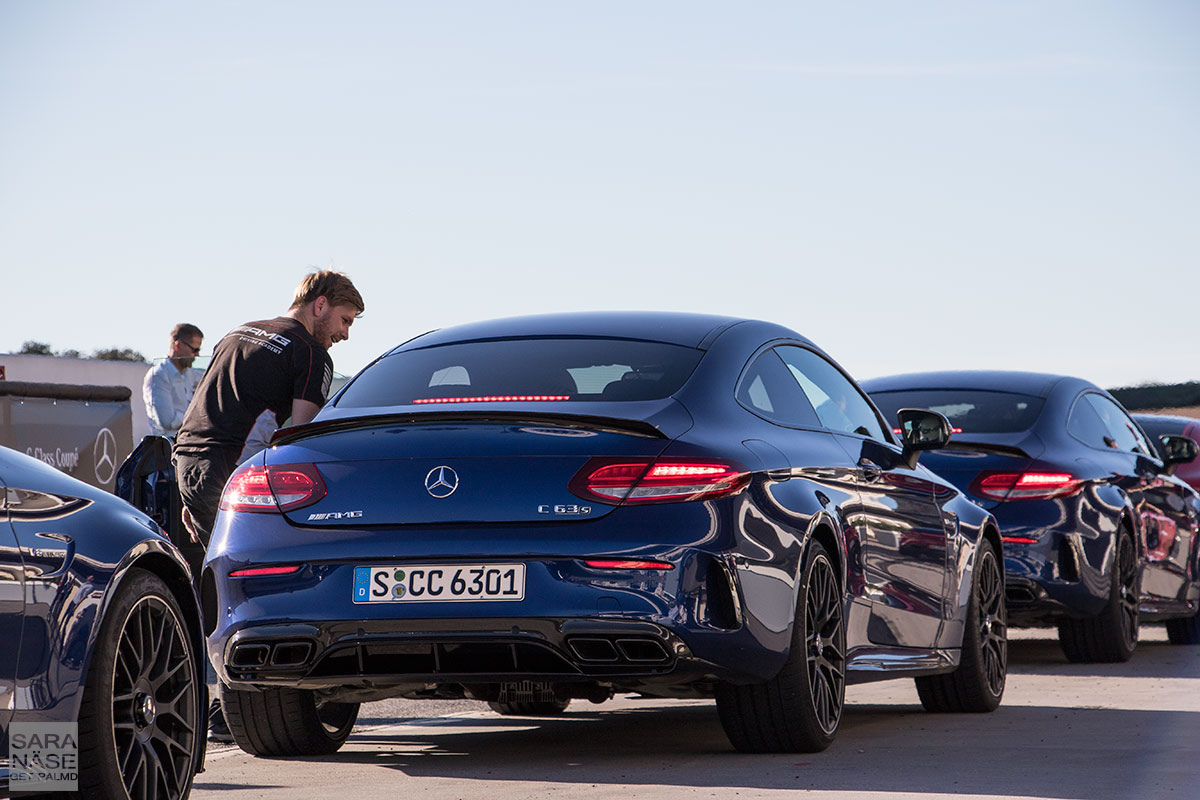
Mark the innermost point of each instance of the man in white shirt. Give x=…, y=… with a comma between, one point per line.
x=169, y=385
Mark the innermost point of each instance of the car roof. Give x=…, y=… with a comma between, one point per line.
x=688, y=330
x=1174, y=420
x=1037, y=384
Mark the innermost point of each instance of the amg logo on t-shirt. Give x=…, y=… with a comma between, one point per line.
x=262, y=333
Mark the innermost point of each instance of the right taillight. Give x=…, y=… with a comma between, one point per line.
x=272, y=489
x=664, y=481
x=1024, y=485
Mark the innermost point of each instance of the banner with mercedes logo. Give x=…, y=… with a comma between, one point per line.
x=85, y=431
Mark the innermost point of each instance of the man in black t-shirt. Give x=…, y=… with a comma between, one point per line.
x=280, y=365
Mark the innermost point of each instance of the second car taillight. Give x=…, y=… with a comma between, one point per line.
x=614, y=481
x=1024, y=485
x=273, y=489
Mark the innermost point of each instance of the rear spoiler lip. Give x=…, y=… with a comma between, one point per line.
x=581, y=421
x=987, y=447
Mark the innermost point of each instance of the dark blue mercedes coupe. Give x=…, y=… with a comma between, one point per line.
x=1099, y=534
x=101, y=651
x=535, y=510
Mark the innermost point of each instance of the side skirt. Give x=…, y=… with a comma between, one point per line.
x=866, y=664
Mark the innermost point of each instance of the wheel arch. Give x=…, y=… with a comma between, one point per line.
x=991, y=533
x=160, y=559
x=822, y=530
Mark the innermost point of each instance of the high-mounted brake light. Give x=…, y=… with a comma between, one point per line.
x=615, y=481
x=1024, y=485
x=273, y=489
x=615, y=563
x=259, y=572
x=496, y=398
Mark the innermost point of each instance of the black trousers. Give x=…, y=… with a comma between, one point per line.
x=201, y=480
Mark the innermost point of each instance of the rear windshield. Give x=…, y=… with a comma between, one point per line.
x=968, y=411
x=553, y=371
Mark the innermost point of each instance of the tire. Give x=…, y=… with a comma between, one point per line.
x=141, y=698
x=1112, y=635
x=797, y=711
x=978, y=683
x=546, y=708
x=286, y=722
x=1184, y=631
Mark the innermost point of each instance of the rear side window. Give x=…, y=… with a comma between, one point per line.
x=1123, y=434
x=970, y=411
x=1086, y=426
x=767, y=389
x=546, y=370
x=839, y=404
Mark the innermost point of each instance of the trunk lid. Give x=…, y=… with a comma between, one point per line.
x=458, y=471
x=964, y=459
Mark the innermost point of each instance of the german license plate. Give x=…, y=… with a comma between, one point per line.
x=424, y=583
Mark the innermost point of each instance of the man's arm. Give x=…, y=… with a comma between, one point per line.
x=303, y=411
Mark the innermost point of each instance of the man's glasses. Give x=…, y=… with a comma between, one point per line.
x=195, y=350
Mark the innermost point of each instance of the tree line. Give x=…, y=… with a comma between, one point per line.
x=32, y=348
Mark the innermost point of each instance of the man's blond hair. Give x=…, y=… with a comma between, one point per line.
x=333, y=286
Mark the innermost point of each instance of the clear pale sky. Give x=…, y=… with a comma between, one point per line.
x=917, y=185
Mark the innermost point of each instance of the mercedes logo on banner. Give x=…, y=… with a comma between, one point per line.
x=105, y=452
x=441, y=482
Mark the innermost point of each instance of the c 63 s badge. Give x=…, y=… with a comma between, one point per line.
x=570, y=510
x=335, y=515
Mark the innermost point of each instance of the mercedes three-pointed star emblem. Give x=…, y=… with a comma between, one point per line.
x=105, y=456
x=441, y=482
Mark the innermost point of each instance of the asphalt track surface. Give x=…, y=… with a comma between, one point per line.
x=1065, y=730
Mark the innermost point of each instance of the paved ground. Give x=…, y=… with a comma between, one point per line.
x=1065, y=731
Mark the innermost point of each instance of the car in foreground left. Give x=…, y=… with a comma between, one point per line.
x=101, y=671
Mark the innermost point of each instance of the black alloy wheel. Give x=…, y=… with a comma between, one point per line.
x=140, y=721
x=993, y=623
x=799, y=710
x=825, y=647
x=977, y=685
x=1112, y=635
x=1129, y=592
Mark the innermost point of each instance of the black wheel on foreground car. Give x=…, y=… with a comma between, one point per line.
x=140, y=716
x=1112, y=635
x=978, y=683
x=286, y=722
x=544, y=708
x=797, y=711
x=1185, y=630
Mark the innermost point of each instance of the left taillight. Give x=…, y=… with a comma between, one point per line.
x=663, y=481
x=272, y=489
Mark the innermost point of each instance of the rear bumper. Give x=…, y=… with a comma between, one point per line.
x=1062, y=574
x=637, y=630
x=375, y=654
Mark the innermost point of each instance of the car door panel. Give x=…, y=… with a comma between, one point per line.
x=904, y=546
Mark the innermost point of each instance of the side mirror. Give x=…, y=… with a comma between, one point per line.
x=921, y=429
x=1178, y=450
